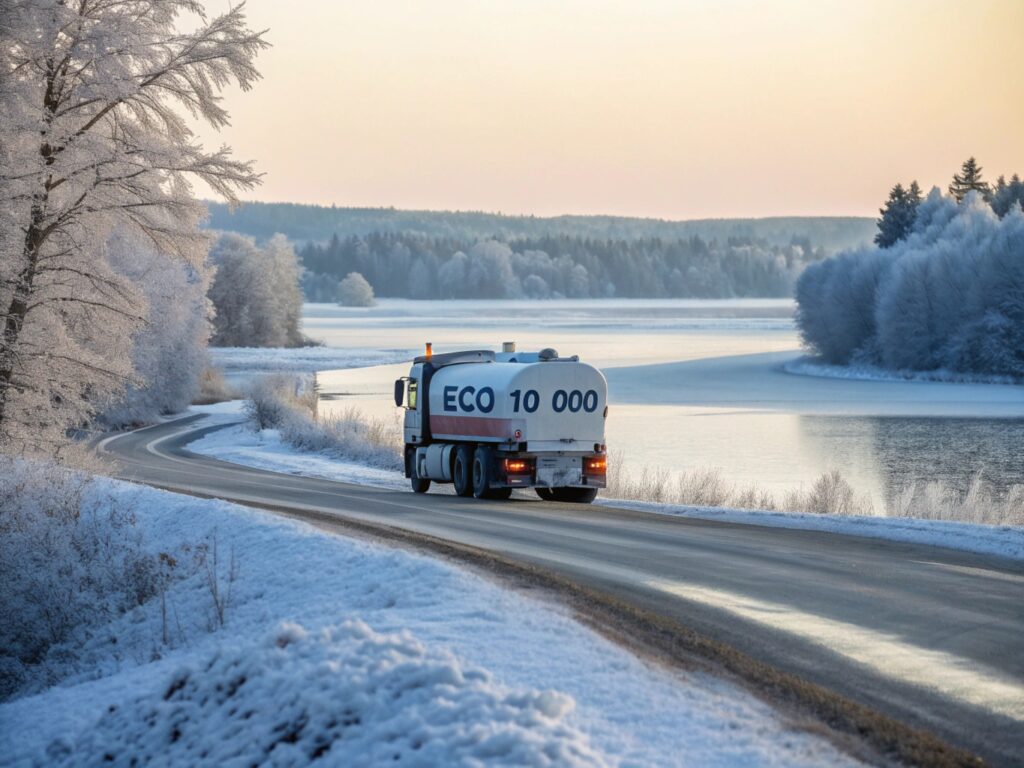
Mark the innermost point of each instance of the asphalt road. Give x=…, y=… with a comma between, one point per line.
x=930, y=636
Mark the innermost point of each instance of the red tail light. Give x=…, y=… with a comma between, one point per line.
x=595, y=465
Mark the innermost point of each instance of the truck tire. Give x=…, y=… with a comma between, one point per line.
x=483, y=471
x=462, y=472
x=569, y=495
x=418, y=485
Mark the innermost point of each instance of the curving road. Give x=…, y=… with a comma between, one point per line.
x=929, y=636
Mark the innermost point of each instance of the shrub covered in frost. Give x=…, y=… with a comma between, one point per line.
x=70, y=558
x=346, y=696
x=355, y=291
x=282, y=403
x=830, y=494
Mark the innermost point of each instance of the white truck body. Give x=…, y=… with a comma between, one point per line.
x=539, y=412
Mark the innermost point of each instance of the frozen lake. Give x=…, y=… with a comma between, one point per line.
x=700, y=384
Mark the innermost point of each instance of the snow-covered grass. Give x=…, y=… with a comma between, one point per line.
x=70, y=559
x=281, y=403
x=360, y=654
x=214, y=388
x=809, y=366
x=830, y=494
x=1000, y=540
x=301, y=359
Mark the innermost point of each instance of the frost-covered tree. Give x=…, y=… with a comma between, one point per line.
x=1007, y=195
x=285, y=273
x=354, y=291
x=897, y=215
x=169, y=350
x=451, y=277
x=969, y=180
x=93, y=137
x=255, y=293
x=948, y=296
x=489, y=272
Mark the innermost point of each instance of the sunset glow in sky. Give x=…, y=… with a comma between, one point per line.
x=693, y=109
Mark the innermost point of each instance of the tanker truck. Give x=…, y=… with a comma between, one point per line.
x=491, y=422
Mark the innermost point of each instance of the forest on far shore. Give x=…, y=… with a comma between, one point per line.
x=466, y=254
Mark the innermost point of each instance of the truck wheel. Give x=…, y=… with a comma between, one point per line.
x=418, y=485
x=462, y=473
x=483, y=468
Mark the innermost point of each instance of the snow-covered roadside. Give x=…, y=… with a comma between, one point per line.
x=1001, y=540
x=360, y=653
x=807, y=366
x=265, y=450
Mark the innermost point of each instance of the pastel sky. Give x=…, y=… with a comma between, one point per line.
x=705, y=108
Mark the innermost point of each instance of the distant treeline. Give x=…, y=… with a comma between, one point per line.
x=423, y=267
x=306, y=223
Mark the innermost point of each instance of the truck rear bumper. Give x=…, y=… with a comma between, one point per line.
x=546, y=471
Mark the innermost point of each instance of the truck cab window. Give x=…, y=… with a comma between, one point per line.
x=413, y=388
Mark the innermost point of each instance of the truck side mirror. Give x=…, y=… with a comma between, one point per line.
x=399, y=392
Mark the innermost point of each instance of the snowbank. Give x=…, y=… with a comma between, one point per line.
x=347, y=694
x=362, y=652
x=301, y=359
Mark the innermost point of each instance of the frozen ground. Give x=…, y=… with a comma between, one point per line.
x=361, y=654
x=240, y=444
x=233, y=360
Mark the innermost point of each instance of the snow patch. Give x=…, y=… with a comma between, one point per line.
x=265, y=449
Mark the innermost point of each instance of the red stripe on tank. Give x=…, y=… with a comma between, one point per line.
x=475, y=426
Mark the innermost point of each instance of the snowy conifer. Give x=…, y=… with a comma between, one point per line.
x=898, y=214
x=969, y=180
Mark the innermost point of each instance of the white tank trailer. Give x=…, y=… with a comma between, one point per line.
x=491, y=422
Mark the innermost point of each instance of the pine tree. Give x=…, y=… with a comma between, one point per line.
x=1007, y=195
x=898, y=214
x=914, y=194
x=969, y=180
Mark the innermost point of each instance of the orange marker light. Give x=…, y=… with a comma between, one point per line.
x=595, y=465
x=430, y=350
x=518, y=466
